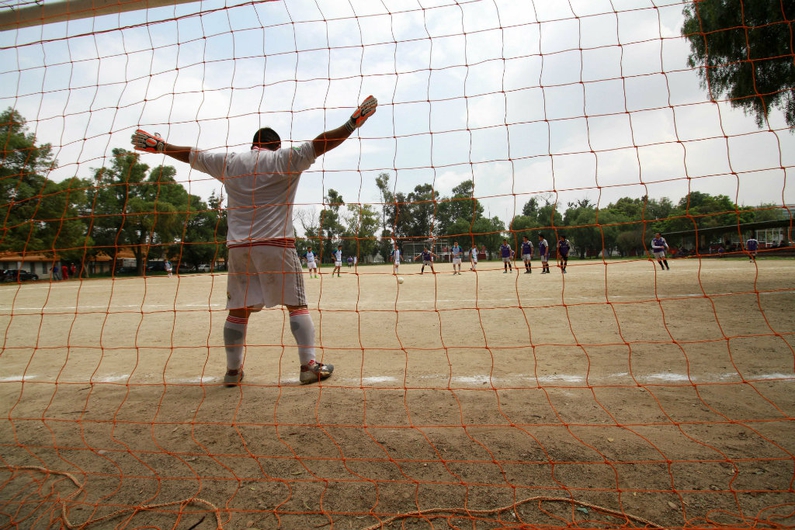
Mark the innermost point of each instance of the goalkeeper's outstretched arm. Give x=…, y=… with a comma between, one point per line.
x=154, y=143
x=325, y=142
x=333, y=138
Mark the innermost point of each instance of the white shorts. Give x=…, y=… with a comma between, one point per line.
x=506, y=260
x=456, y=261
x=527, y=257
x=425, y=262
x=659, y=254
x=264, y=276
x=338, y=264
x=544, y=258
x=311, y=265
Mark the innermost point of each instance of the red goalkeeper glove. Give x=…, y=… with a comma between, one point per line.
x=152, y=143
x=365, y=110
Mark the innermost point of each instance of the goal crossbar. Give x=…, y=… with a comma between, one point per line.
x=64, y=10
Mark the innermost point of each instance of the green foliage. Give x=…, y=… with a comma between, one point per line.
x=488, y=232
x=204, y=239
x=363, y=224
x=330, y=230
x=460, y=210
x=38, y=214
x=131, y=209
x=744, y=50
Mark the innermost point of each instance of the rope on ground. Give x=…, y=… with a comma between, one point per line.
x=133, y=509
x=468, y=512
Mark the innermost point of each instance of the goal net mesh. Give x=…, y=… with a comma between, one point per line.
x=617, y=389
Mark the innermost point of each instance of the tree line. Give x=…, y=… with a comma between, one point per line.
x=127, y=204
x=624, y=227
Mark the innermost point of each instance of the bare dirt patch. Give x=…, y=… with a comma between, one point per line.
x=616, y=395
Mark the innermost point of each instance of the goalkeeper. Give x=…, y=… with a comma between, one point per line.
x=264, y=268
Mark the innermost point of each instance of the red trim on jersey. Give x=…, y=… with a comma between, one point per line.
x=299, y=312
x=281, y=242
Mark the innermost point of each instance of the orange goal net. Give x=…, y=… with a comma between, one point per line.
x=590, y=324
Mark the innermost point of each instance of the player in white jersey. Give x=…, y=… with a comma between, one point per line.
x=264, y=269
x=395, y=259
x=455, y=253
x=473, y=258
x=337, y=261
x=311, y=264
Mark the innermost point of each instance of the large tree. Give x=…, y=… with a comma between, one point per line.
x=203, y=240
x=137, y=210
x=462, y=206
x=744, y=49
x=330, y=229
x=37, y=213
x=362, y=229
x=421, y=207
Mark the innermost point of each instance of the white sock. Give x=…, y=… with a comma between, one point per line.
x=304, y=332
x=234, y=341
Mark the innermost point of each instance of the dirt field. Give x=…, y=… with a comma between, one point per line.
x=617, y=395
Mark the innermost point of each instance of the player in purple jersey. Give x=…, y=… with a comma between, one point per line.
x=264, y=268
x=427, y=259
x=563, y=252
x=658, y=247
x=527, y=254
x=751, y=247
x=543, y=252
x=506, y=253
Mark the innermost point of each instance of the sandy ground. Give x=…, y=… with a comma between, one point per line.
x=616, y=395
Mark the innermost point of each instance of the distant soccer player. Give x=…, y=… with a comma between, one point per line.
x=395, y=259
x=658, y=247
x=563, y=253
x=543, y=251
x=473, y=258
x=456, y=252
x=507, y=254
x=751, y=247
x=527, y=254
x=427, y=259
x=337, y=261
x=311, y=264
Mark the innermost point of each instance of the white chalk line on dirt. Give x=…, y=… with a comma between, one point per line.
x=483, y=303
x=515, y=381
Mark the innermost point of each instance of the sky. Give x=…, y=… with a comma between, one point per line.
x=562, y=101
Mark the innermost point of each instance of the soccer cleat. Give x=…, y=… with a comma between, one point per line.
x=233, y=379
x=314, y=372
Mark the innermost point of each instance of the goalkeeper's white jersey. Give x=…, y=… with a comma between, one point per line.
x=260, y=187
